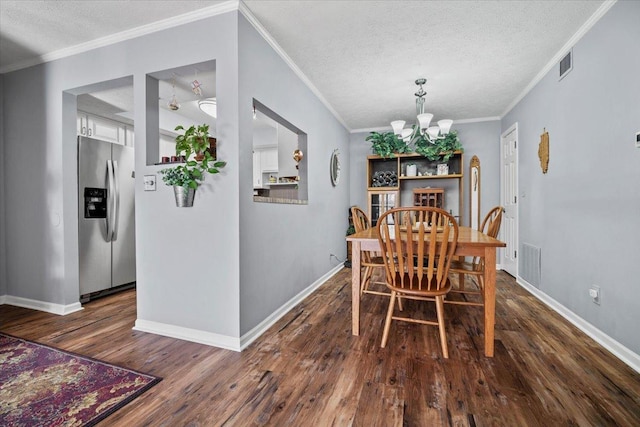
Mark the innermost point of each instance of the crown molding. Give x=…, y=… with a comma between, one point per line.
x=153, y=27
x=477, y=120
x=287, y=59
x=378, y=129
x=602, y=10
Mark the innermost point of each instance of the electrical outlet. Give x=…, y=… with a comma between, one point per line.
x=594, y=293
x=638, y=140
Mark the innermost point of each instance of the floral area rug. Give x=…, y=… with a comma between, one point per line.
x=43, y=386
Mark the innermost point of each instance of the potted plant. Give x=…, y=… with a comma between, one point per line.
x=440, y=149
x=387, y=144
x=185, y=178
x=194, y=140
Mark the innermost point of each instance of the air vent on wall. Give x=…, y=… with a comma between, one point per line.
x=566, y=64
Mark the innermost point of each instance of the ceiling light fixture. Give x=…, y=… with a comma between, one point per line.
x=209, y=106
x=424, y=119
x=173, y=104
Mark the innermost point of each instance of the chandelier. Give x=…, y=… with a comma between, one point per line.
x=424, y=120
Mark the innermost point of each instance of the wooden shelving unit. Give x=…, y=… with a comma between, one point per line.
x=386, y=178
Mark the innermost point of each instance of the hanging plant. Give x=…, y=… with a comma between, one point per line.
x=439, y=149
x=195, y=139
x=387, y=144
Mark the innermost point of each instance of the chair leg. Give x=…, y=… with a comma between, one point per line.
x=400, y=303
x=387, y=323
x=443, y=336
x=461, y=278
x=366, y=278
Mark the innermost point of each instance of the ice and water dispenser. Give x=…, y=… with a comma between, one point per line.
x=95, y=202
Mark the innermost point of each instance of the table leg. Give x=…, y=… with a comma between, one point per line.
x=355, y=287
x=489, y=299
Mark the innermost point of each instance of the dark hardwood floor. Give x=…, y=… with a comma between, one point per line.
x=308, y=370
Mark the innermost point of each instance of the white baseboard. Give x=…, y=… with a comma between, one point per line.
x=253, y=334
x=188, y=334
x=48, y=307
x=224, y=341
x=620, y=351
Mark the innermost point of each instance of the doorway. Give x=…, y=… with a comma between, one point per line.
x=509, y=199
x=106, y=188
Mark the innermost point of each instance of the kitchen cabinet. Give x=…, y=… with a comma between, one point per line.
x=265, y=165
x=269, y=159
x=128, y=137
x=104, y=129
x=257, y=170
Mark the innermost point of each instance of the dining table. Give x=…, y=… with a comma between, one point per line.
x=471, y=243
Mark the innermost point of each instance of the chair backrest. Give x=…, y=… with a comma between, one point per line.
x=491, y=222
x=417, y=254
x=360, y=219
x=490, y=226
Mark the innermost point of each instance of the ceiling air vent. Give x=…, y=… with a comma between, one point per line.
x=566, y=64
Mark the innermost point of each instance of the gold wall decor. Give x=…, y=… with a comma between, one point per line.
x=474, y=192
x=543, y=151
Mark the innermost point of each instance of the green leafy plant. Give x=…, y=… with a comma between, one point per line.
x=387, y=144
x=439, y=149
x=351, y=230
x=194, y=140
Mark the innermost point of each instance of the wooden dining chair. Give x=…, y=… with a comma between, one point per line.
x=490, y=226
x=417, y=257
x=370, y=261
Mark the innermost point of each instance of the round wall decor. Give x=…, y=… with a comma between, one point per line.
x=334, y=167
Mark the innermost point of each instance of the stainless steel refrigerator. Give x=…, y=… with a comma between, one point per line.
x=106, y=226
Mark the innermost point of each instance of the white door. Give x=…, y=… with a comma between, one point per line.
x=509, y=199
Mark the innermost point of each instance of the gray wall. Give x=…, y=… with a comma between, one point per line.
x=584, y=213
x=3, y=246
x=478, y=138
x=196, y=267
x=187, y=259
x=187, y=264
x=284, y=248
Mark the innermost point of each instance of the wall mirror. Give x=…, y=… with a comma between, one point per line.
x=279, y=158
x=334, y=167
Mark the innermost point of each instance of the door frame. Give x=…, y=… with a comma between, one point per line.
x=503, y=135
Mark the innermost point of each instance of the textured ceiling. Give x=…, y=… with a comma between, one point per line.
x=362, y=56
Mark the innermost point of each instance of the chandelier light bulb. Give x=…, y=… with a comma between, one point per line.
x=445, y=126
x=397, y=126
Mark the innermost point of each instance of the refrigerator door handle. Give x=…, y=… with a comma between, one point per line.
x=116, y=201
x=110, y=203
